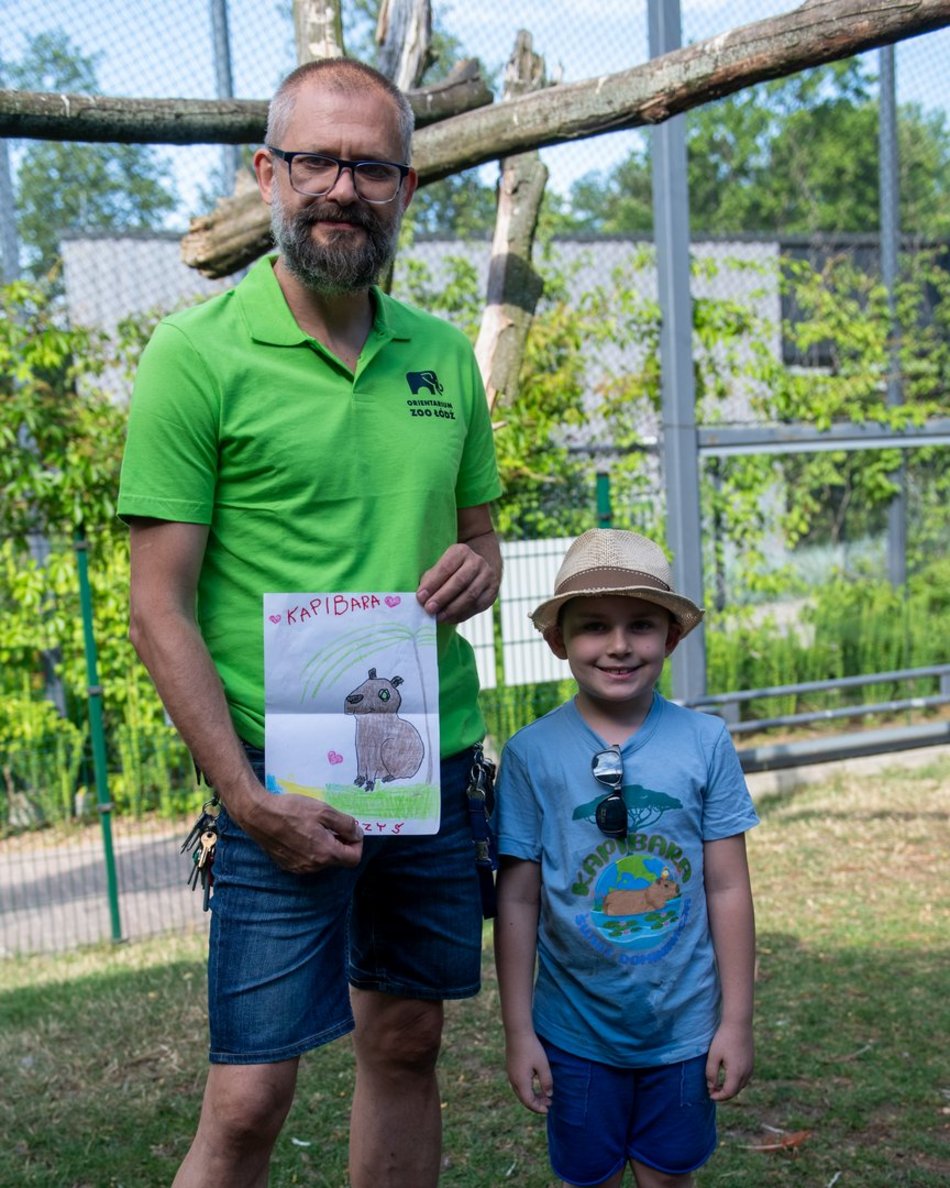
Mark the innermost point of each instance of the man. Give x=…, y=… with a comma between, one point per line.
x=274, y=446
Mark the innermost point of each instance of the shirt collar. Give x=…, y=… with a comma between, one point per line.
x=270, y=321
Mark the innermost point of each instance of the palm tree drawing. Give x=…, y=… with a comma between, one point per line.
x=327, y=667
x=644, y=807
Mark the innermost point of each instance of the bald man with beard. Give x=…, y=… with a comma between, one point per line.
x=277, y=442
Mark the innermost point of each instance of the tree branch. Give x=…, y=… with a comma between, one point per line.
x=318, y=30
x=40, y=115
x=404, y=40
x=820, y=31
x=817, y=32
x=514, y=287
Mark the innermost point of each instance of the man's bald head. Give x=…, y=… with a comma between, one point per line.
x=343, y=75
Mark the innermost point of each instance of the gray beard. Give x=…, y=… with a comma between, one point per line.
x=340, y=266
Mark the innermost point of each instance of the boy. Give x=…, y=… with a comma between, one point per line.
x=621, y=822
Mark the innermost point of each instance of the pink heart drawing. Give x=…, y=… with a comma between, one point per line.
x=274, y=618
x=334, y=757
x=392, y=600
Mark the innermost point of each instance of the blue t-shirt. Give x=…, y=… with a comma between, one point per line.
x=626, y=969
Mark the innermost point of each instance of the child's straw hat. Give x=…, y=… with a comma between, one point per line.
x=609, y=561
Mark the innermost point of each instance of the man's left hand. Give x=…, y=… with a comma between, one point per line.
x=466, y=577
x=459, y=585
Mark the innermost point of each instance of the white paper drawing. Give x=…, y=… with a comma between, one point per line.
x=351, y=706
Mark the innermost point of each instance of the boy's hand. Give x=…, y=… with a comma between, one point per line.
x=730, y=1060
x=529, y=1072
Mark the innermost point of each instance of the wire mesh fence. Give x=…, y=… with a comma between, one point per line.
x=792, y=323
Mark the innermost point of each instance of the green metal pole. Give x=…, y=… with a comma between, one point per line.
x=605, y=517
x=97, y=733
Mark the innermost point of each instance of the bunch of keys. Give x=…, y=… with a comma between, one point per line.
x=201, y=841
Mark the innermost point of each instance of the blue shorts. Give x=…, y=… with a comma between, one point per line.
x=601, y=1117
x=284, y=947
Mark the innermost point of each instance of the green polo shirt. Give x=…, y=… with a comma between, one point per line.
x=310, y=477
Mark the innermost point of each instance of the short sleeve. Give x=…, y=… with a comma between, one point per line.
x=727, y=805
x=170, y=464
x=517, y=812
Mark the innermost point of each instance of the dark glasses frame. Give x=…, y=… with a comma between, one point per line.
x=400, y=172
x=611, y=813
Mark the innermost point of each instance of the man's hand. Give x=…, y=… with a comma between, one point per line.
x=302, y=834
x=465, y=579
x=458, y=586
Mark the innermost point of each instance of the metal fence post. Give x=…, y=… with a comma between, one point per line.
x=888, y=174
x=97, y=734
x=605, y=515
x=680, y=441
x=9, y=237
x=224, y=85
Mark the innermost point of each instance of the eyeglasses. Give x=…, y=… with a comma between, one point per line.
x=611, y=813
x=377, y=182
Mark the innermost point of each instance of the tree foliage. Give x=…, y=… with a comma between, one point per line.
x=60, y=436
x=61, y=440
x=590, y=378
x=849, y=312
x=791, y=156
x=67, y=187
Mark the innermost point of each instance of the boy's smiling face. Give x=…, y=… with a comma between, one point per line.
x=616, y=647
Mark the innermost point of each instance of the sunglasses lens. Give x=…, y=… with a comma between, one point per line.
x=611, y=816
x=607, y=767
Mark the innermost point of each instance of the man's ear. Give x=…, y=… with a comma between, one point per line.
x=264, y=172
x=673, y=635
x=554, y=638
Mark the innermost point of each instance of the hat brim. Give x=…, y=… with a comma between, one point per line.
x=684, y=611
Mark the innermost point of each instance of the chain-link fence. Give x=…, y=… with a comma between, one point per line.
x=818, y=210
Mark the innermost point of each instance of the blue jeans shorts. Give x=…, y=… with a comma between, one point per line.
x=285, y=947
x=601, y=1117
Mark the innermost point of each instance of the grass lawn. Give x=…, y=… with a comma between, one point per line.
x=103, y=1050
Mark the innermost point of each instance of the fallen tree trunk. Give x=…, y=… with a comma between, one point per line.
x=818, y=31
x=514, y=287
x=40, y=115
x=318, y=30
x=404, y=40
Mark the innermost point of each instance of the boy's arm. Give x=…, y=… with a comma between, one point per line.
x=732, y=924
x=516, y=943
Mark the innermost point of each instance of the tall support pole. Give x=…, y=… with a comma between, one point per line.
x=97, y=734
x=680, y=443
x=888, y=166
x=605, y=515
x=224, y=85
x=9, y=239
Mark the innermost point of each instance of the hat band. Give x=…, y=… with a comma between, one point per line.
x=609, y=579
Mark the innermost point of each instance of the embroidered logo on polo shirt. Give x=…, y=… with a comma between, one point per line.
x=423, y=381
x=428, y=382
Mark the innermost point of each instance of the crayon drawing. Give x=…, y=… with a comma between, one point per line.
x=351, y=706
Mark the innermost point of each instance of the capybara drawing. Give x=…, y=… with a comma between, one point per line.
x=387, y=746
x=647, y=899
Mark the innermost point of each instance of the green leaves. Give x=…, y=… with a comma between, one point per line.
x=793, y=156
x=63, y=187
x=60, y=435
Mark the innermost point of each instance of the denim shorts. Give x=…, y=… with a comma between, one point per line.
x=601, y=1117
x=284, y=948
